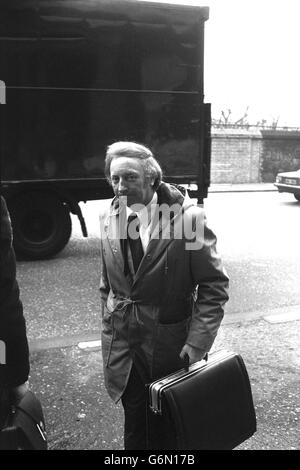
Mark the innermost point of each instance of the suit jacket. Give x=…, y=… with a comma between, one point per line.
x=176, y=296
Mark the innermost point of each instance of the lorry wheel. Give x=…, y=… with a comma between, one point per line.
x=297, y=196
x=41, y=224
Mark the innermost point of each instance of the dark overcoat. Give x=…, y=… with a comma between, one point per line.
x=176, y=296
x=14, y=352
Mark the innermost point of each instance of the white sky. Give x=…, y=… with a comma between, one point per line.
x=252, y=58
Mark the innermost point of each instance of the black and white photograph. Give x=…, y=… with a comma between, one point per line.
x=150, y=228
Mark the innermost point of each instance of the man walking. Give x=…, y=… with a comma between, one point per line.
x=162, y=285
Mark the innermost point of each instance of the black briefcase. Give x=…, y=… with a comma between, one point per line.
x=207, y=407
x=24, y=428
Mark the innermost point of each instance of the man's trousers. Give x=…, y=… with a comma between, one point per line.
x=142, y=428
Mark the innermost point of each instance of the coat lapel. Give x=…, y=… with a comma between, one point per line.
x=115, y=225
x=162, y=234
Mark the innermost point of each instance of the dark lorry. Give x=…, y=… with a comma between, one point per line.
x=79, y=75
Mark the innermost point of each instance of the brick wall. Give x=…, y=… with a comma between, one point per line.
x=252, y=155
x=235, y=155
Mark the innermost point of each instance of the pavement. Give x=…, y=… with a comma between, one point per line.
x=80, y=416
x=241, y=187
x=66, y=374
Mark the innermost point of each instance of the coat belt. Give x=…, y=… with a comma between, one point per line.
x=127, y=307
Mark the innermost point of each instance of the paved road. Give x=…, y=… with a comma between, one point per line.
x=258, y=238
x=259, y=241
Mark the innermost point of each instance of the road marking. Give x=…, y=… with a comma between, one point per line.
x=90, y=344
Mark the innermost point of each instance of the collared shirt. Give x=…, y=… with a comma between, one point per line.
x=145, y=218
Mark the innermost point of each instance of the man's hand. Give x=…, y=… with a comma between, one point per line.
x=195, y=354
x=17, y=393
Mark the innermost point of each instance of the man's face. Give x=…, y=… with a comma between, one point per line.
x=128, y=179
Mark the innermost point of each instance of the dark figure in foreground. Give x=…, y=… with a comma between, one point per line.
x=14, y=355
x=162, y=286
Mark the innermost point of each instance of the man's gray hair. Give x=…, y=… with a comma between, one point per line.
x=151, y=166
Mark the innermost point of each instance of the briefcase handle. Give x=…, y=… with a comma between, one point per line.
x=186, y=361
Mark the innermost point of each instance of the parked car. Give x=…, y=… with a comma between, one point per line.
x=289, y=182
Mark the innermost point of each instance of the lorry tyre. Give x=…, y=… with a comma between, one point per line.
x=297, y=196
x=41, y=224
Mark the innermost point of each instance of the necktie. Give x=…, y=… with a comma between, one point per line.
x=134, y=240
